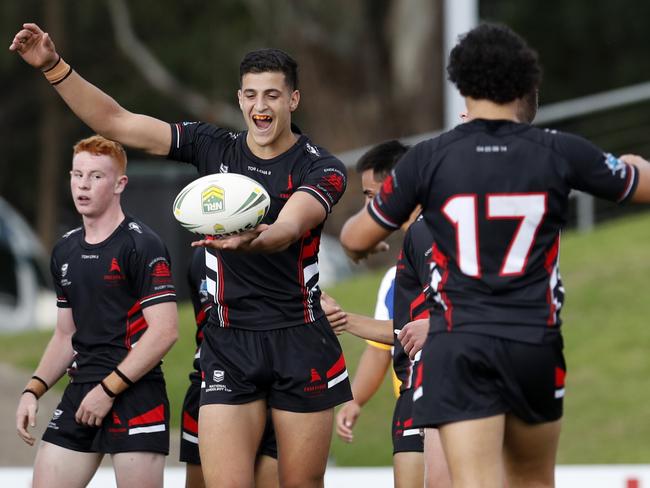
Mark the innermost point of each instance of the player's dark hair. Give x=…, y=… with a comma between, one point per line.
x=381, y=158
x=270, y=59
x=491, y=62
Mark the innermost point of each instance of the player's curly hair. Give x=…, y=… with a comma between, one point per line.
x=270, y=59
x=492, y=62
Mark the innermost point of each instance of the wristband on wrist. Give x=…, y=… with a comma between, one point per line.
x=124, y=377
x=41, y=380
x=107, y=390
x=59, y=72
x=36, y=386
x=29, y=390
x=116, y=383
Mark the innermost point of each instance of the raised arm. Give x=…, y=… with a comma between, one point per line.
x=94, y=107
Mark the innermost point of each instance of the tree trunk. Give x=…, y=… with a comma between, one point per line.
x=50, y=135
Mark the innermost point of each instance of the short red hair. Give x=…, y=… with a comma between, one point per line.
x=99, y=145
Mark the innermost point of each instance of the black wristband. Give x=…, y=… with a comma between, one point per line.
x=124, y=377
x=107, y=390
x=41, y=380
x=29, y=390
x=54, y=65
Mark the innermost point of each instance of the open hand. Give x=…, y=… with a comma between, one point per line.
x=26, y=417
x=239, y=242
x=35, y=47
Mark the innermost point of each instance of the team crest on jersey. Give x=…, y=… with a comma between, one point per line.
x=223, y=168
x=135, y=227
x=114, y=275
x=212, y=200
x=64, y=270
x=218, y=375
x=615, y=165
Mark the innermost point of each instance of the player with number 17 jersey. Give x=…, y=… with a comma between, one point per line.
x=497, y=221
x=264, y=291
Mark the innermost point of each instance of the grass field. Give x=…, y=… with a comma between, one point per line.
x=607, y=337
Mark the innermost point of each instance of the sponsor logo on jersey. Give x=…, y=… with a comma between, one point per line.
x=161, y=270
x=212, y=200
x=223, y=168
x=70, y=232
x=335, y=181
x=203, y=290
x=311, y=149
x=135, y=227
x=90, y=256
x=615, y=165
x=491, y=149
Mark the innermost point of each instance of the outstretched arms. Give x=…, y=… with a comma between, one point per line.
x=94, y=107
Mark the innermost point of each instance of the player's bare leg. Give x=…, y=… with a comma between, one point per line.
x=139, y=469
x=408, y=470
x=193, y=476
x=58, y=467
x=436, y=471
x=228, y=443
x=303, y=444
x=529, y=452
x=473, y=449
x=266, y=472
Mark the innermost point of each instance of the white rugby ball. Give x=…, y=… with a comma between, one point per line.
x=221, y=204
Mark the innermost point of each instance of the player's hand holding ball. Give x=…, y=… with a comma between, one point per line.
x=226, y=207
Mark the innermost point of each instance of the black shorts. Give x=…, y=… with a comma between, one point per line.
x=190, y=429
x=467, y=376
x=298, y=369
x=406, y=437
x=138, y=421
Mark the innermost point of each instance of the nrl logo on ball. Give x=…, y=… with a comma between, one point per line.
x=212, y=199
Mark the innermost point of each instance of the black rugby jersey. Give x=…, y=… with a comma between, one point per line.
x=412, y=300
x=201, y=301
x=107, y=285
x=495, y=196
x=264, y=291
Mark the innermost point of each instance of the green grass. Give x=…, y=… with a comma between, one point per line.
x=607, y=336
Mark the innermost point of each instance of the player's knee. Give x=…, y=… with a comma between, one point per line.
x=302, y=480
